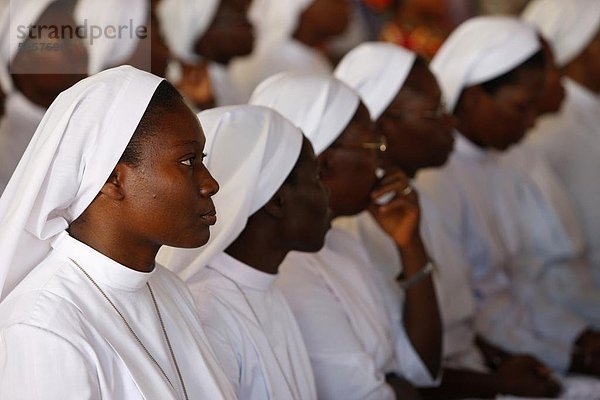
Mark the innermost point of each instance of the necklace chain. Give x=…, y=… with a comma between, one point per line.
x=162, y=325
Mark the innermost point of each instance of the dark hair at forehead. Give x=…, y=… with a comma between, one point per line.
x=165, y=97
x=536, y=61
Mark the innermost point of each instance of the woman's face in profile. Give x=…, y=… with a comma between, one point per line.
x=170, y=189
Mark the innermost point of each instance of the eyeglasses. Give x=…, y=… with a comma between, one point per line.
x=380, y=145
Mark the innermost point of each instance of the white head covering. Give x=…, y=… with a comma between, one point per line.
x=275, y=20
x=183, y=22
x=70, y=157
x=106, y=52
x=251, y=151
x=479, y=50
x=568, y=25
x=320, y=105
x=16, y=14
x=377, y=72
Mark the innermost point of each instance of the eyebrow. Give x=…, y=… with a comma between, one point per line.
x=187, y=143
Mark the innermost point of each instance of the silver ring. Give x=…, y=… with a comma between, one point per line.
x=406, y=191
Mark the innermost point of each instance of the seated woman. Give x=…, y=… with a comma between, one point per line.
x=112, y=173
x=272, y=202
x=357, y=340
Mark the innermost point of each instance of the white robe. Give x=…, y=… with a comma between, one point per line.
x=350, y=319
x=453, y=287
x=541, y=228
x=289, y=55
x=61, y=339
x=509, y=313
x=20, y=121
x=252, y=331
x=570, y=142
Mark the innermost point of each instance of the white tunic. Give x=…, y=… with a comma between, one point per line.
x=20, y=121
x=289, y=55
x=509, y=313
x=453, y=287
x=570, y=142
x=351, y=325
x=252, y=331
x=61, y=339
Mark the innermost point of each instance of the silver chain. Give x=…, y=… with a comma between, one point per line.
x=136, y=336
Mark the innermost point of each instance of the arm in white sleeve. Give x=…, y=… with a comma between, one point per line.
x=38, y=364
x=342, y=367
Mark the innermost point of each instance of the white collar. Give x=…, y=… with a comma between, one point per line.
x=241, y=273
x=582, y=96
x=101, y=268
x=466, y=149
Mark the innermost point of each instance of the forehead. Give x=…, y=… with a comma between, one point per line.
x=175, y=125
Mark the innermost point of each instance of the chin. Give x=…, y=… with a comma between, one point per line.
x=199, y=240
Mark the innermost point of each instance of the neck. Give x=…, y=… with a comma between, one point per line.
x=258, y=248
x=308, y=37
x=116, y=246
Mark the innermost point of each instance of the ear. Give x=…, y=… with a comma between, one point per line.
x=326, y=164
x=276, y=206
x=114, y=188
x=469, y=101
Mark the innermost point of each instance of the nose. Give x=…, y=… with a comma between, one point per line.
x=208, y=184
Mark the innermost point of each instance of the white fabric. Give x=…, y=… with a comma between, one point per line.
x=466, y=192
x=223, y=89
x=377, y=71
x=456, y=302
x=343, y=318
x=320, y=105
x=16, y=14
x=542, y=231
x=183, y=22
x=569, y=26
x=570, y=142
x=251, y=151
x=275, y=21
x=252, y=331
x=288, y=55
x=106, y=52
x=480, y=49
x=60, y=339
x=16, y=129
x=72, y=153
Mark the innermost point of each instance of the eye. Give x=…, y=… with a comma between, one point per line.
x=189, y=162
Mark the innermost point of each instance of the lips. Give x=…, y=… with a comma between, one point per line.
x=210, y=218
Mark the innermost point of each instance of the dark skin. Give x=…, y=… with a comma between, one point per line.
x=585, y=68
x=229, y=35
x=297, y=218
x=416, y=116
x=323, y=20
x=64, y=54
x=500, y=120
x=554, y=92
x=163, y=200
x=349, y=173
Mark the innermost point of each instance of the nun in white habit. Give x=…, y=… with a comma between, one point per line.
x=570, y=139
x=182, y=24
x=476, y=195
x=261, y=161
x=276, y=50
x=378, y=71
x=74, y=322
x=356, y=337
x=22, y=114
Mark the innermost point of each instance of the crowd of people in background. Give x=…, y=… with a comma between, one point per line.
x=299, y=199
